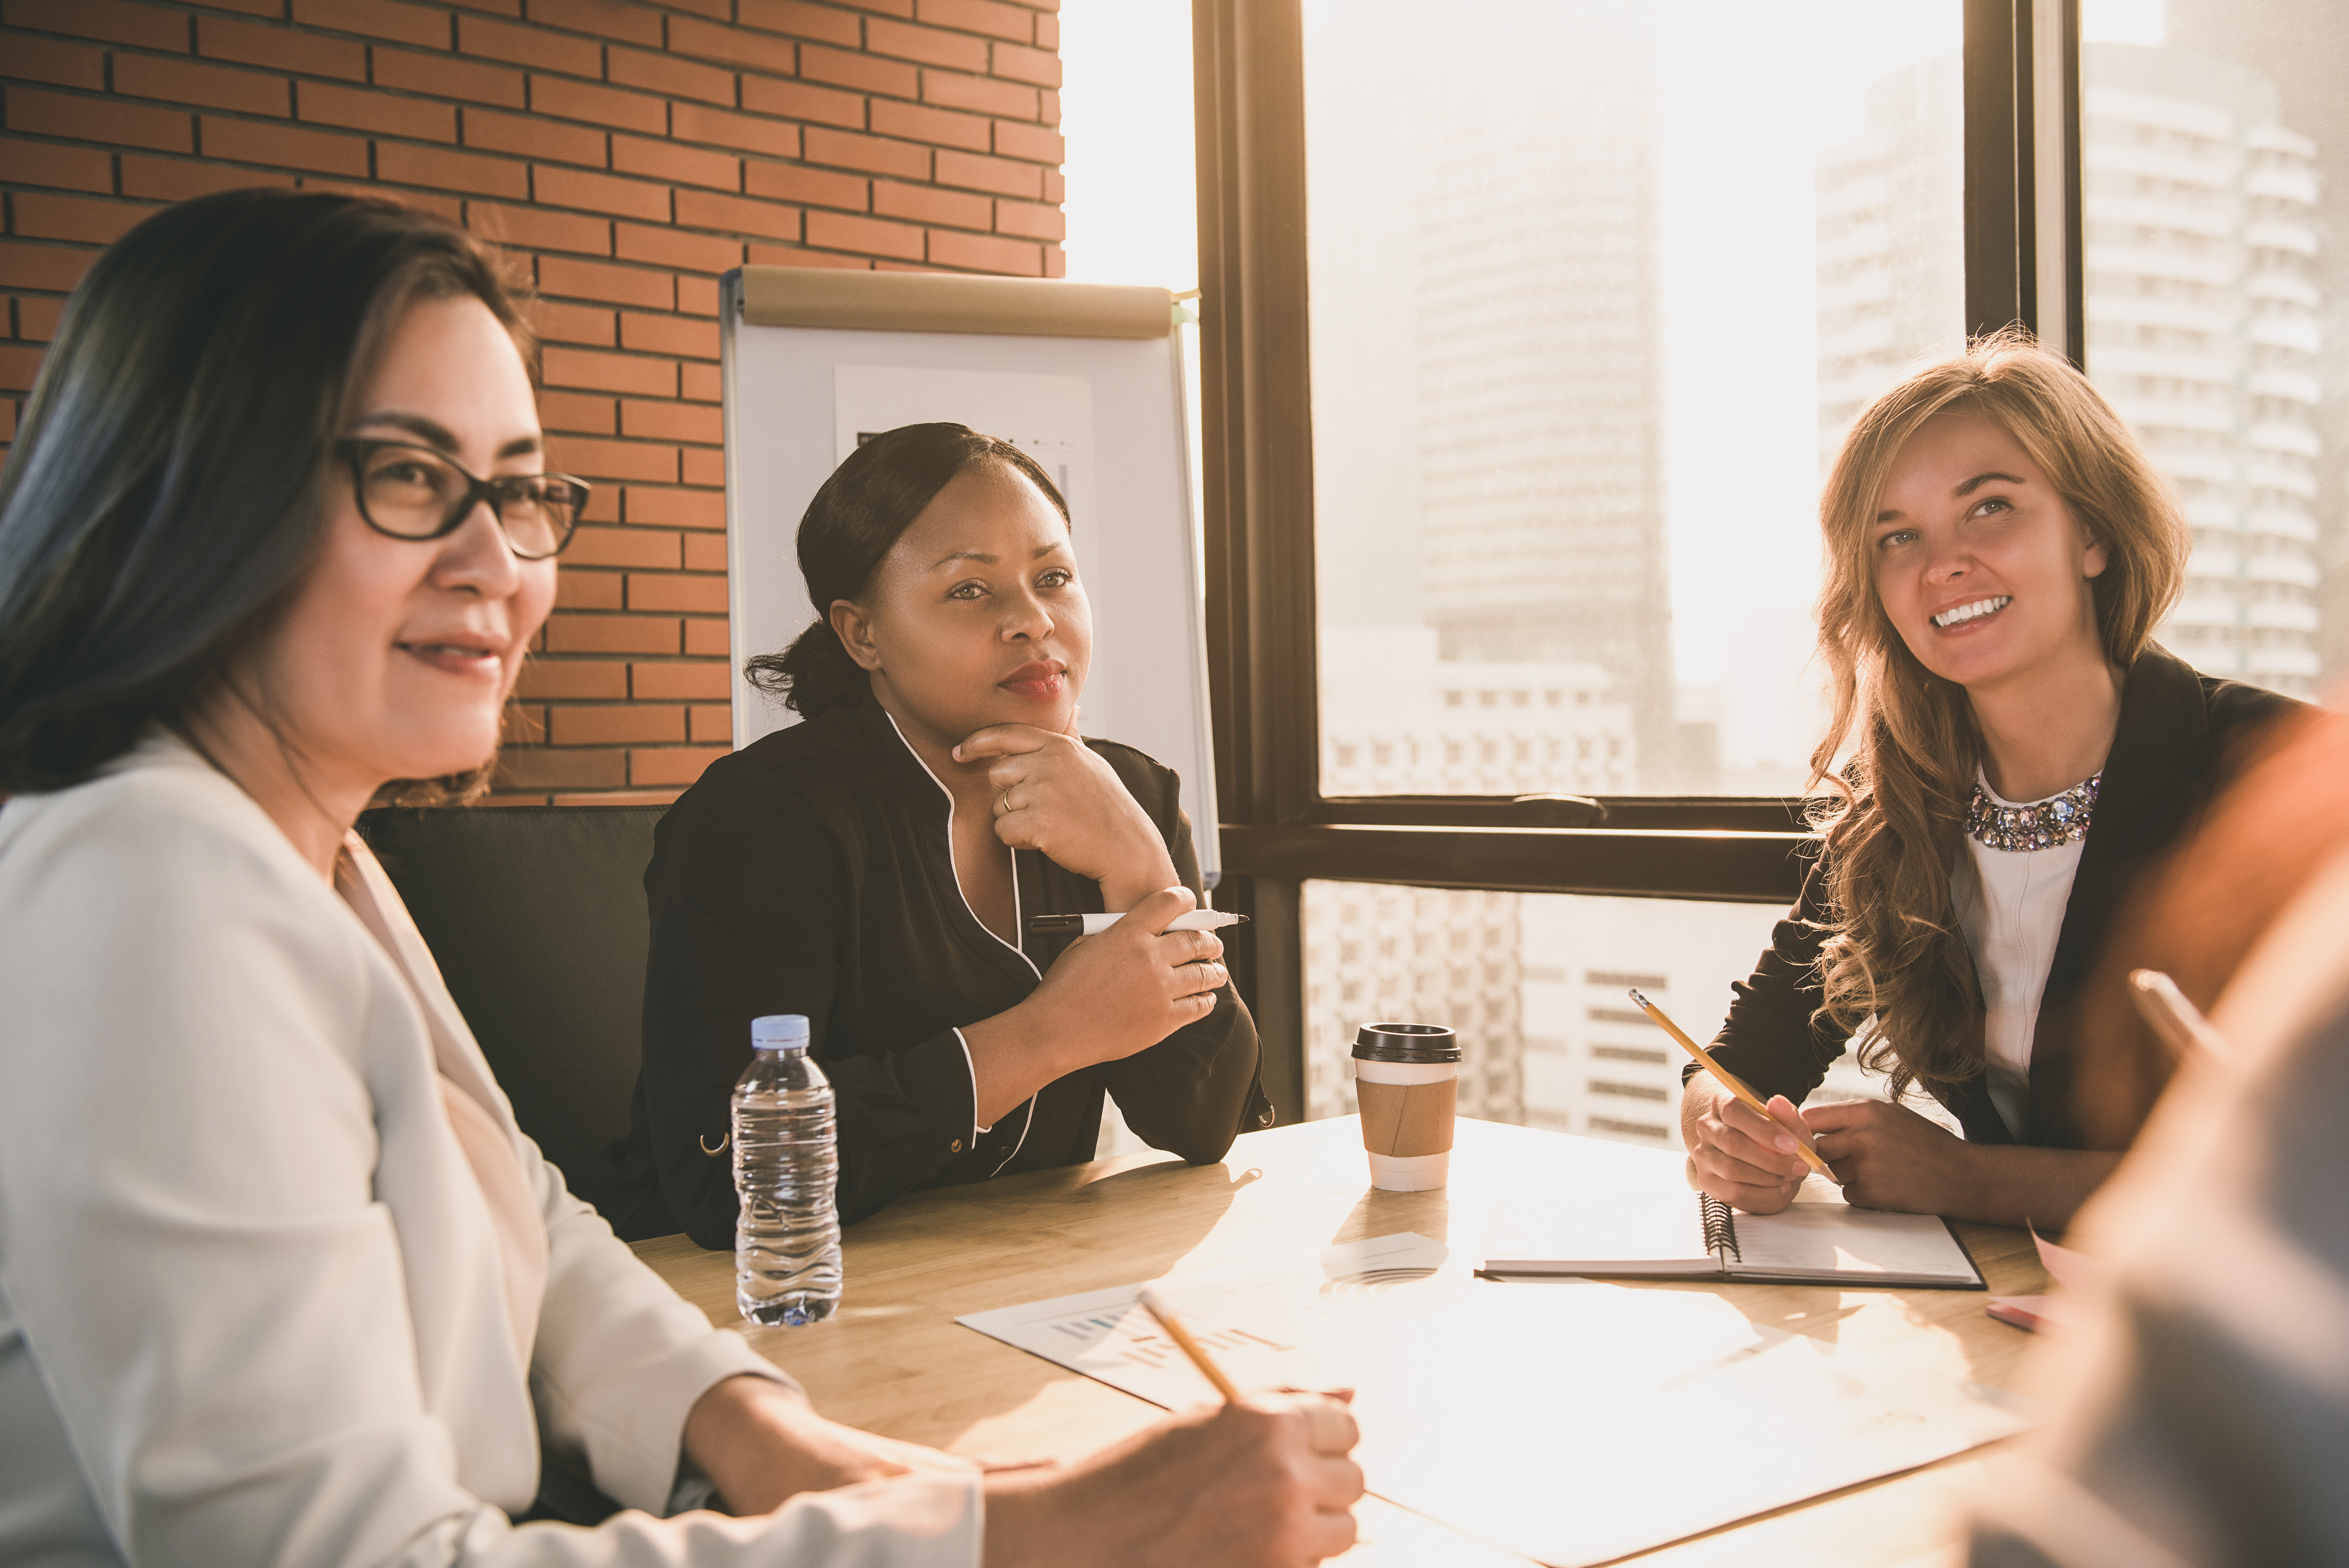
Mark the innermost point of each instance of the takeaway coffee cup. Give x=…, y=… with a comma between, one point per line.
x=1406, y=1079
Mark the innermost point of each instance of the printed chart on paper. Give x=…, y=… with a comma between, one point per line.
x=1267, y=1326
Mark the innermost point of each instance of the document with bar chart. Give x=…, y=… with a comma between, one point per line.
x=1268, y=1325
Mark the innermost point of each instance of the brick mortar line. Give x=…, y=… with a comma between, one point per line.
x=670, y=226
x=476, y=149
x=249, y=117
x=187, y=8
x=373, y=41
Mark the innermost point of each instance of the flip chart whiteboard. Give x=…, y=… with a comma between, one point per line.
x=1085, y=377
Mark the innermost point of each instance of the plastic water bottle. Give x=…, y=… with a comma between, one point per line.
x=787, y=1237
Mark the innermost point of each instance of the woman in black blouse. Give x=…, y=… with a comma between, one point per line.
x=874, y=866
x=2009, y=749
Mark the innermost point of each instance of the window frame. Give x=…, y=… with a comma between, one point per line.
x=2022, y=264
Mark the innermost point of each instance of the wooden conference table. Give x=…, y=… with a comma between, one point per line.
x=895, y=1361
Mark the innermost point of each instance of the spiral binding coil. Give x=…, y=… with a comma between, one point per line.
x=1720, y=1227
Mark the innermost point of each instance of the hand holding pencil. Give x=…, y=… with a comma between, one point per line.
x=1772, y=1133
x=1290, y=1434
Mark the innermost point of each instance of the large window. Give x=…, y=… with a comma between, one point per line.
x=1595, y=289
x=1528, y=327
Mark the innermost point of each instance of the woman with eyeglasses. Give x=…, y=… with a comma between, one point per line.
x=280, y=1280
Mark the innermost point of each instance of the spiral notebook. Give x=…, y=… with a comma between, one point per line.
x=1688, y=1235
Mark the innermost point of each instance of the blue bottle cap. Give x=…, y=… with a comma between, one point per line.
x=779, y=1031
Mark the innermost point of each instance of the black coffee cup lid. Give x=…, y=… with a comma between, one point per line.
x=1406, y=1043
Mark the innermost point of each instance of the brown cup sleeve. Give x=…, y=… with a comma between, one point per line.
x=1407, y=1119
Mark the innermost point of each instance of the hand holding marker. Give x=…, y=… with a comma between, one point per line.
x=1094, y=925
x=1704, y=1060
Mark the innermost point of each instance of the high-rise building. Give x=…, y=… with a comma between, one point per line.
x=1487, y=382
x=2202, y=328
x=1537, y=354
x=1891, y=287
x=1487, y=385
x=2203, y=319
x=2302, y=46
x=1404, y=722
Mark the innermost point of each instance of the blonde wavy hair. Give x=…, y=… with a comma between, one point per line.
x=1895, y=969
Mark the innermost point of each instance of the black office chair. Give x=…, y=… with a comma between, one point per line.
x=536, y=917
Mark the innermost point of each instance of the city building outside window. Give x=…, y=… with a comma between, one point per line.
x=1595, y=291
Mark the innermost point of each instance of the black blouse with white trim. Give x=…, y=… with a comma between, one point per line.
x=813, y=873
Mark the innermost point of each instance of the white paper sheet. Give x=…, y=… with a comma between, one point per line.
x=1560, y=1421
x=1837, y=1239
x=1553, y=1419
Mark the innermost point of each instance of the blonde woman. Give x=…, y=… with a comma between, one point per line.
x=1999, y=551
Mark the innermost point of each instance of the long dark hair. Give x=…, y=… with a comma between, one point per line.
x=166, y=493
x=859, y=513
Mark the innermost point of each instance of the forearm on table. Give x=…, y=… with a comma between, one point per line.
x=757, y=1441
x=1185, y=1094
x=2009, y=1185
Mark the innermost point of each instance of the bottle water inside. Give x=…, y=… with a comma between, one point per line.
x=787, y=1237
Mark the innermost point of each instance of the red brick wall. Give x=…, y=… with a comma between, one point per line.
x=626, y=153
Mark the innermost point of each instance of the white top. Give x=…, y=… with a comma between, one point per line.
x=252, y=1302
x=2009, y=906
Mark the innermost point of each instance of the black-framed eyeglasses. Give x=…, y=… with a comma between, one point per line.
x=415, y=492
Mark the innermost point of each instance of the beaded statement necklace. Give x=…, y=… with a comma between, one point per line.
x=2041, y=825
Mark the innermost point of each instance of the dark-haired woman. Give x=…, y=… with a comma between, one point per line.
x=280, y=1279
x=1999, y=553
x=874, y=867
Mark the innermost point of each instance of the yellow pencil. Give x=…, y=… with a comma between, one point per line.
x=1744, y=1095
x=1189, y=1346
x=2178, y=1022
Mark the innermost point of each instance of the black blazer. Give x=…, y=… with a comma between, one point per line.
x=813, y=873
x=2179, y=735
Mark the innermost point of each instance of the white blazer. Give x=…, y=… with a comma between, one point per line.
x=252, y=1306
